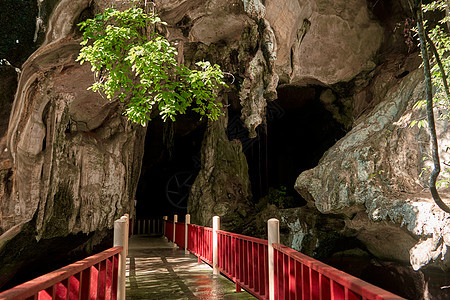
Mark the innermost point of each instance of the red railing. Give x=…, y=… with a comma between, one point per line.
x=200, y=242
x=179, y=234
x=94, y=277
x=169, y=230
x=147, y=226
x=244, y=260
x=298, y=276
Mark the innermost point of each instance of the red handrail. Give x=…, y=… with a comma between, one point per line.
x=243, y=259
x=200, y=242
x=94, y=277
x=298, y=276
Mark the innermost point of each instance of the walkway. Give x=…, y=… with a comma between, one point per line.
x=157, y=270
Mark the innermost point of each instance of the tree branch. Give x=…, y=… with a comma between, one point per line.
x=430, y=116
x=439, y=62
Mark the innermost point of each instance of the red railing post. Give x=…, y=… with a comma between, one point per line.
x=121, y=240
x=215, y=257
x=165, y=226
x=175, y=221
x=273, y=236
x=126, y=217
x=187, y=221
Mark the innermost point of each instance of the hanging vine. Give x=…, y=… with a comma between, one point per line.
x=417, y=10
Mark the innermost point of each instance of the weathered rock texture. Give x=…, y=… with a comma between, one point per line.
x=301, y=43
x=377, y=176
x=323, y=41
x=245, y=41
x=226, y=33
x=72, y=161
x=222, y=187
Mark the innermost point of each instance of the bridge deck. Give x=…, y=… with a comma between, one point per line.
x=157, y=270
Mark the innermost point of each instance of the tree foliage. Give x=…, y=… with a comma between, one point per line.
x=139, y=66
x=438, y=44
x=433, y=72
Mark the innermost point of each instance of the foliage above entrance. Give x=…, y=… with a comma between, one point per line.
x=132, y=62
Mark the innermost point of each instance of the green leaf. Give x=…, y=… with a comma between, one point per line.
x=142, y=69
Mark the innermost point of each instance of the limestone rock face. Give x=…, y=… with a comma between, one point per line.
x=377, y=175
x=264, y=43
x=222, y=187
x=323, y=41
x=227, y=33
x=71, y=161
x=233, y=25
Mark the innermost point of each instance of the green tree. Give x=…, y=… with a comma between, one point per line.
x=132, y=62
x=433, y=75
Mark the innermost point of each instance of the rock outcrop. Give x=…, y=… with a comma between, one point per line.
x=222, y=187
x=323, y=42
x=72, y=161
x=377, y=175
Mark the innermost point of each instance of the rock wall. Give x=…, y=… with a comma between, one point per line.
x=323, y=41
x=377, y=175
x=71, y=161
x=222, y=187
x=278, y=42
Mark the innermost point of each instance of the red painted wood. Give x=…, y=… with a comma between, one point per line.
x=45, y=295
x=85, y=283
x=291, y=280
x=94, y=282
x=101, y=287
x=109, y=278
x=74, y=287
x=169, y=230
x=314, y=283
x=261, y=264
x=243, y=259
x=334, y=280
x=115, y=272
x=238, y=288
x=179, y=234
x=44, y=284
x=60, y=290
x=255, y=262
x=326, y=292
x=298, y=280
x=286, y=276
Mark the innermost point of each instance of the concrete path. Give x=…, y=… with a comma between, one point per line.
x=157, y=270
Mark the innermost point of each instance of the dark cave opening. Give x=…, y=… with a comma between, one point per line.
x=298, y=131
x=170, y=165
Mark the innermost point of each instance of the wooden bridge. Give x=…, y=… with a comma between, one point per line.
x=195, y=262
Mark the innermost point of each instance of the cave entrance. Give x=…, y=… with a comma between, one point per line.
x=170, y=165
x=300, y=128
